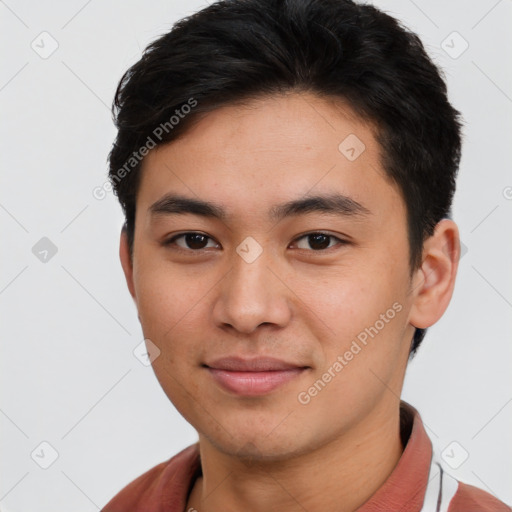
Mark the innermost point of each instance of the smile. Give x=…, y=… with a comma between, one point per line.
x=253, y=377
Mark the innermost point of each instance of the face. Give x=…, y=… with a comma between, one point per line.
x=281, y=307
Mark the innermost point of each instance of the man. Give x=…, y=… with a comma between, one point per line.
x=286, y=169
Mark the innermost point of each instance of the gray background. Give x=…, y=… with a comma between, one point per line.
x=68, y=374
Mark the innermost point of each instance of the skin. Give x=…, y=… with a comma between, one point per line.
x=294, y=303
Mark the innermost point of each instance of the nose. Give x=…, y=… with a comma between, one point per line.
x=250, y=295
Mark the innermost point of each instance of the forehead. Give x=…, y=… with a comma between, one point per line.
x=269, y=151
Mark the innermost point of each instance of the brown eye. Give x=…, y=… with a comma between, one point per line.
x=318, y=241
x=196, y=241
x=191, y=241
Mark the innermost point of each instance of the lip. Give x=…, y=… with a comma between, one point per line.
x=253, y=377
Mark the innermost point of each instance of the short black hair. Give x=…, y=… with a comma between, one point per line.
x=238, y=50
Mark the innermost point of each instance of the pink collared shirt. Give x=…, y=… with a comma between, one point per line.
x=418, y=483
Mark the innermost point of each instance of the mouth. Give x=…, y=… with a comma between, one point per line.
x=253, y=377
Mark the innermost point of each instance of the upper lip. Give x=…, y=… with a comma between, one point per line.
x=259, y=364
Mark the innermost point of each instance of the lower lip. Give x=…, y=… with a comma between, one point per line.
x=253, y=383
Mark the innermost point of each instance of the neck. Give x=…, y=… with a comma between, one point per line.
x=347, y=470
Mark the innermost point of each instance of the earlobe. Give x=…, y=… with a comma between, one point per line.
x=435, y=280
x=126, y=261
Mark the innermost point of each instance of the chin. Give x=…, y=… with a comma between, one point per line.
x=258, y=451
x=254, y=444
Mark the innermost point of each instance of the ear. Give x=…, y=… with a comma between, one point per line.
x=434, y=281
x=126, y=261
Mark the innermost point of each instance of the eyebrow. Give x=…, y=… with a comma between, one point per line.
x=334, y=204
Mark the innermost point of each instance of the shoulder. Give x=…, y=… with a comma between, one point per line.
x=471, y=499
x=166, y=483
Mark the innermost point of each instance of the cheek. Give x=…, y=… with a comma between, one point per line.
x=361, y=358
x=174, y=310
x=169, y=307
x=165, y=296
x=342, y=302
x=366, y=307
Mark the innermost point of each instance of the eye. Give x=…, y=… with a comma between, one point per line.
x=318, y=241
x=192, y=241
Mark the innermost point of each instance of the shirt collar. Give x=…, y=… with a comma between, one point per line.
x=403, y=491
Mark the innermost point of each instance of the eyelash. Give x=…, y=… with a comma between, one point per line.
x=172, y=240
